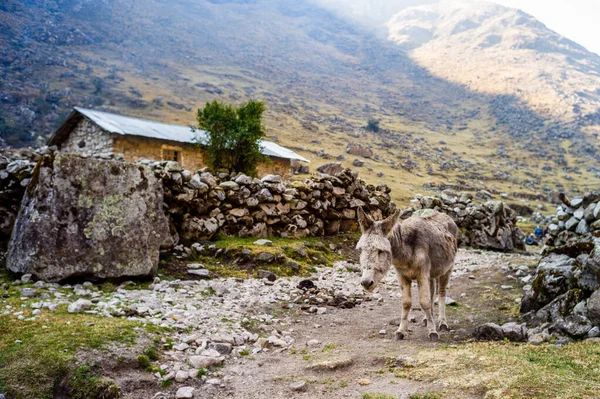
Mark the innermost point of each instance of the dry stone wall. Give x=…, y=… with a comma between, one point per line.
x=575, y=220
x=200, y=205
x=563, y=300
x=491, y=225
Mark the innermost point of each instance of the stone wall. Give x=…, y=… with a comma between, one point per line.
x=202, y=204
x=490, y=225
x=276, y=166
x=15, y=174
x=563, y=300
x=575, y=220
x=87, y=138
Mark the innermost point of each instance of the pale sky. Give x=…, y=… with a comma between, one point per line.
x=578, y=20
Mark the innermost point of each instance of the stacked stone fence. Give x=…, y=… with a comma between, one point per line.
x=575, y=220
x=201, y=204
x=490, y=225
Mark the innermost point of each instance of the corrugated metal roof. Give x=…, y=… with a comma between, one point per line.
x=127, y=125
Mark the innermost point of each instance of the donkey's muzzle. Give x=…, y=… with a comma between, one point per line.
x=367, y=283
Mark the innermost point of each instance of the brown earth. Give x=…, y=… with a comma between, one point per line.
x=351, y=342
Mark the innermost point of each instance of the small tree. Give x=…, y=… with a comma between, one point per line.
x=372, y=125
x=233, y=135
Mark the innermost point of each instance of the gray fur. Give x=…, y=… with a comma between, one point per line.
x=421, y=249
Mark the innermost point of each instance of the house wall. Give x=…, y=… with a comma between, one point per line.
x=134, y=147
x=276, y=166
x=87, y=138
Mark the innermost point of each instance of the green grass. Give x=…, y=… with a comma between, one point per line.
x=370, y=395
x=316, y=248
x=329, y=347
x=202, y=372
x=424, y=396
x=507, y=370
x=36, y=355
x=86, y=384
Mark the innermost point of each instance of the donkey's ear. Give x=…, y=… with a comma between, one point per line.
x=364, y=220
x=387, y=226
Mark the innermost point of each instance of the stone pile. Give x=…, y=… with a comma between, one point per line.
x=576, y=220
x=15, y=174
x=491, y=225
x=202, y=204
x=564, y=297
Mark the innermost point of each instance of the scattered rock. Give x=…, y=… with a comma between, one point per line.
x=263, y=242
x=79, y=306
x=298, y=386
x=333, y=364
x=266, y=274
x=185, y=393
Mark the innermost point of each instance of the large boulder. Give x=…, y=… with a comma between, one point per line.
x=359, y=150
x=88, y=218
x=553, y=278
x=331, y=168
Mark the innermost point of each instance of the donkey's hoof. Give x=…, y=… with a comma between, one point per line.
x=444, y=327
x=412, y=319
x=424, y=322
x=434, y=337
x=400, y=335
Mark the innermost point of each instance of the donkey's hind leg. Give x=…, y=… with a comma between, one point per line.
x=432, y=287
x=443, y=283
x=425, y=299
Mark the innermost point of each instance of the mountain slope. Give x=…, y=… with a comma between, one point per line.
x=499, y=50
x=321, y=76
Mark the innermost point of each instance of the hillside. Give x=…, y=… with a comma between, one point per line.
x=503, y=51
x=321, y=76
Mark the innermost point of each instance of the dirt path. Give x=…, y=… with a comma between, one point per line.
x=368, y=359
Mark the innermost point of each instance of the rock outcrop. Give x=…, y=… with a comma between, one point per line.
x=564, y=297
x=491, y=225
x=88, y=218
x=359, y=150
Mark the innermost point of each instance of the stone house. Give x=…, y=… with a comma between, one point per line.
x=90, y=132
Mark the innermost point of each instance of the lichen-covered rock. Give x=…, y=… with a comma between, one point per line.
x=89, y=218
x=564, y=295
x=553, y=278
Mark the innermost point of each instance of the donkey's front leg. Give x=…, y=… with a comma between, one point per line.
x=402, y=331
x=426, y=304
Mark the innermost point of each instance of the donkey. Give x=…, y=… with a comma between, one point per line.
x=421, y=248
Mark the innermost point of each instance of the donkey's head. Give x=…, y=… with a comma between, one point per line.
x=375, y=247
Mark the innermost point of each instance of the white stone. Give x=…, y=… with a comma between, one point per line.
x=181, y=376
x=79, y=306
x=185, y=393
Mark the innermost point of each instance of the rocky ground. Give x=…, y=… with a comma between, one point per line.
x=291, y=337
